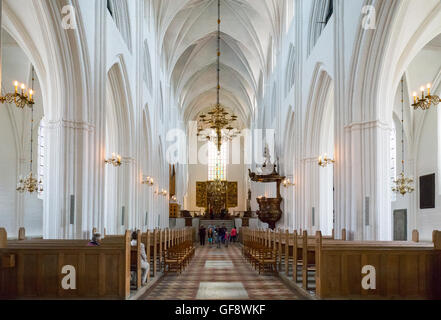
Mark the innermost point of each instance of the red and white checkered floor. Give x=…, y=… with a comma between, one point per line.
x=220, y=274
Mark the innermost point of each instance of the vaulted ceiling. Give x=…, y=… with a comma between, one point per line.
x=188, y=32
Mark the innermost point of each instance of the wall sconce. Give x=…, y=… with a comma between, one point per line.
x=174, y=199
x=22, y=98
x=426, y=101
x=287, y=183
x=164, y=192
x=115, y=160
x=148, y=181
x=324, y=161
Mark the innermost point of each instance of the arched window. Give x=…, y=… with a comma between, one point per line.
x=217, y=162
x=393, y=160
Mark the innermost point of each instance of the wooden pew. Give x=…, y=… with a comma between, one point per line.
x=178, y=255
x=405, y=265
x=404, y=270
x=36, y=271
x=135, y=254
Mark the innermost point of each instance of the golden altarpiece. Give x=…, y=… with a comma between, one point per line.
x=216, y=196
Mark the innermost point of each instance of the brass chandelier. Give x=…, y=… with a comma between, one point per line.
x=29, y=183
x=403, y=184
x=426, y=101
x=217, y=125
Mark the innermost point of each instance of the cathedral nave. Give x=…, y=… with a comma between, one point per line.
x=220, y=150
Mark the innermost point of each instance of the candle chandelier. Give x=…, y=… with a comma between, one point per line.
x=403, y=184
x=218, y=124
x=29, y=183
x=426, y=101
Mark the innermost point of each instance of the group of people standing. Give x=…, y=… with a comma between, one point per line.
x=217, y=235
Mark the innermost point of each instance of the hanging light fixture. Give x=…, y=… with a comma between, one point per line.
x=426, y=100
x=29, y=183
x=218, y=124
x=403, y=184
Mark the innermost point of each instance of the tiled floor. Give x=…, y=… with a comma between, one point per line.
x=220, y=274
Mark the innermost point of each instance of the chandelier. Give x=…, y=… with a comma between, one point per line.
x=29, y=183
x=403, y=184
x=426, y=101
x=218, y=124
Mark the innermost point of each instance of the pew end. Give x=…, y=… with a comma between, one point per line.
x=344, y=234
x=3, y=238
x=22, y=234
x=415, y=236
x=436, y=235
x=8, y=261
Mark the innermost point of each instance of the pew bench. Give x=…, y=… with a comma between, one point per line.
x=36, y=271
x=403, y=270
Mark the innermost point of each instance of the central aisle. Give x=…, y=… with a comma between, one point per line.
x=220, y=274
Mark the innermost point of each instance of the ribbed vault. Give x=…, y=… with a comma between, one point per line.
x=188, y=31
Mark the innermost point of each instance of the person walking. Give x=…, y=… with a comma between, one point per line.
x=233, y=234
x=222, y=232
x=202, y=235
x=227, y=238
x=217, y=233
x=210, y=236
